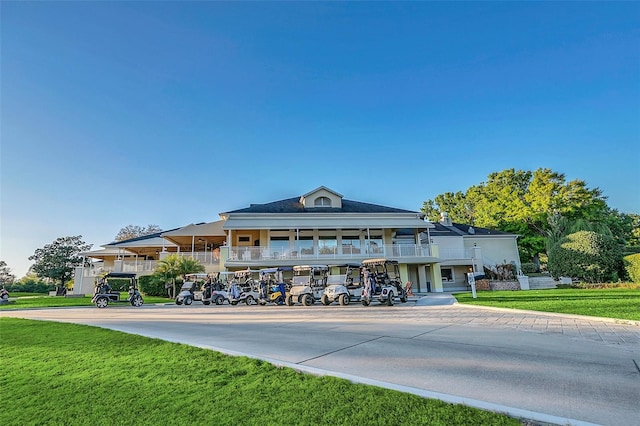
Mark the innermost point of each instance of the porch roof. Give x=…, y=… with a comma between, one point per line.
x=147, y=242
x=210, y=232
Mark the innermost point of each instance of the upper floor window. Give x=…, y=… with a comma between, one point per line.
x=322, y=202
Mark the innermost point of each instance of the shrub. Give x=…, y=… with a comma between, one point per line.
x=530, y=268
x=585, y=255
x=632, y=265
x=30, y=285
x=152, y=286
x=501, y=272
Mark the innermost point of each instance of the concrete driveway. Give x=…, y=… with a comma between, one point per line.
x=550, y=368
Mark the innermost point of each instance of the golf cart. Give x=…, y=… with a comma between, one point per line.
x=343, y=287
x=196, y=287
x=308, y=284
x=104, y=294
x=272, y=288
x=244, y=288
x=221, y=284
x=381, y=280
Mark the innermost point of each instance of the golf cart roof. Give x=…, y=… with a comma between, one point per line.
x=310, y=267
x=380, y=261
x=244, y=273
x=196, y=276
x=346, y=265
x=120, y=275
x=278, y=269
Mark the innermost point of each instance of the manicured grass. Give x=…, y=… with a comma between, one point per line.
x=39, y=300
x=622, y=303
x=68, y=374
x=25, y=294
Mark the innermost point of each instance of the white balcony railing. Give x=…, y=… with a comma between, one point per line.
x=455, y=253
x=396, y=251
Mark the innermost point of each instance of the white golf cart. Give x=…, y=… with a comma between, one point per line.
x=308, y=284
x=221, y=284
x=244, y=288
x=343, y=287
x=196, y=287
x=381, y=280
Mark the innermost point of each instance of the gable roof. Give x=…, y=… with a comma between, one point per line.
x=320, y=188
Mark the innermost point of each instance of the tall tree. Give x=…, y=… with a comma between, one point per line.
x=58, y=260
x=134, y=231
x=6, y=277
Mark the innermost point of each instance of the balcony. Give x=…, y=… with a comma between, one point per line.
x=261, y=254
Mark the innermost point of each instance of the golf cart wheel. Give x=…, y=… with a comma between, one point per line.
x=206, y=302
x=307, y=300
x=344, y=299
x=188, y=300
x=102, y=302
x=249, y=300
x=289, y=300
x=390, y=299
x=219, y=300
x=403, y=296
x=137, y=301
x=178, y=301
x=325, y=300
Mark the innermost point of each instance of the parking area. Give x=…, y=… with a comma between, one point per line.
x=552, y=368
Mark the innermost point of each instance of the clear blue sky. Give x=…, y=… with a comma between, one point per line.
x=168, y=113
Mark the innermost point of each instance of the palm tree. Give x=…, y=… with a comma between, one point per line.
x=174, y=266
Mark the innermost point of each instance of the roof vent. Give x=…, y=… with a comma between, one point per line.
x=445, y=219
x=471, y=230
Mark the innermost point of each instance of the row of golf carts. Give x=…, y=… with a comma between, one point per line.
x=373, y=280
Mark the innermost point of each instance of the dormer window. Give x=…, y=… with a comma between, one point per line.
x=322, y=202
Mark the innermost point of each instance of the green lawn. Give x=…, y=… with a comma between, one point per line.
x=68, y=374
x=622, y=303
x=39, y=300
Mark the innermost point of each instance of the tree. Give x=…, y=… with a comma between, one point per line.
x=6, y=277
x=59, y=259
x=174, y=266
x=134, y=231
x=525, y=203
x=586, y=255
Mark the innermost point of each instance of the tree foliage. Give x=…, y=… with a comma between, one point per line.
x=6, y=277
x=135, y=231
x=586, y=255
x=632, y=265
x=174, y=266
x=59, y=259
x=530, y=204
